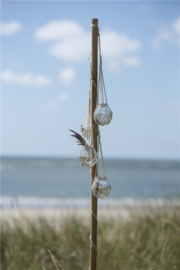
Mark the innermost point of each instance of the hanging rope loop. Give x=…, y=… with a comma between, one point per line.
x=102, y=159
x=101, y=84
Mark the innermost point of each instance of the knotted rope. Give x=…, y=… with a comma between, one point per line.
x=101, y=84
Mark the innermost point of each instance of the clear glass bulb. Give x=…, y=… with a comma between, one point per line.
x=102, y=114
x=101, y=187
x=88, y=156
x=86, y=128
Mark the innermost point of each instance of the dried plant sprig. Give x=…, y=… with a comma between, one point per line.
x=58, y=266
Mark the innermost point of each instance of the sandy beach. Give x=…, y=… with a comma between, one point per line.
x=113, y=209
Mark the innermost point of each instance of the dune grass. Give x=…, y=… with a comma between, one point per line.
x=150, y=240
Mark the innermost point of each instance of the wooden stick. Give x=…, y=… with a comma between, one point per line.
x=94, y=69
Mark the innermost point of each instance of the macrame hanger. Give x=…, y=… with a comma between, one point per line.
x=97, y=99
x=87, y=120
x=97, y=164
x=102, y=159
x=89, y=113
x=101, y=77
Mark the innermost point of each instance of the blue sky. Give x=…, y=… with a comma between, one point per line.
x=45, y=76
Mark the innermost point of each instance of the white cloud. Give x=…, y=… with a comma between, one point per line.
x=118, y=49
x=72, y=48
x=63, y=97
x=10, y=28
x=25, y=79
x=58, y=29
x=73, y=44
x=67, y=75
x=168, y=33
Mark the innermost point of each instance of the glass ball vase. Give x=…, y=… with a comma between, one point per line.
x=86, y=128
x=101, y=187
x=102, y=114
x=88, y=156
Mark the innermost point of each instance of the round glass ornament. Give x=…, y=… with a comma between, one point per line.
x=88, y=156
x=102, y=114
x=101, y=187
x=86, y=128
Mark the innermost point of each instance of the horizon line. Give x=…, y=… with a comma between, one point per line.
x=74, y=157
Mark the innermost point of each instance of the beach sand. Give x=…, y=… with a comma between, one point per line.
x=123, y=213
x=58, y=214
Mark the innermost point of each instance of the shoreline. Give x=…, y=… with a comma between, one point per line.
x=48, y=202
x=57, y=215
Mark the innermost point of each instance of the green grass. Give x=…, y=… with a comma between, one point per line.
x=146, y=241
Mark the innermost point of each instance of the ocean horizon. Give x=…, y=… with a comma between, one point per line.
x=53, y=181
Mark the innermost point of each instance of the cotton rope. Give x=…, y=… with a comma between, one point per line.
x=92, y=80
x=94, y=215
x=99, y=147
x=93, y=25
x=92, y=244
x=99, y=88
x=88, y=109
x=101, y=84
x=87, y=118
x=102, y=159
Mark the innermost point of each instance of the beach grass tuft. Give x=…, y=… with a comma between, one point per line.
x=147, y=240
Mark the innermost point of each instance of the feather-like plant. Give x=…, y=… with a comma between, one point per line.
x=81, y=140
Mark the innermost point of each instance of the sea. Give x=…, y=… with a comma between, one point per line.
x=62, y=182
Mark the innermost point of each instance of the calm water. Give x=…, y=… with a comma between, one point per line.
x=58, y=177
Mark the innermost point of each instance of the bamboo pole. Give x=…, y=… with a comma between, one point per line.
x=94, y=69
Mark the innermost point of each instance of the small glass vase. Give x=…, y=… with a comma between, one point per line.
x=102, y=114
x=86, y=128
x=88, y=156
x=101, y=187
